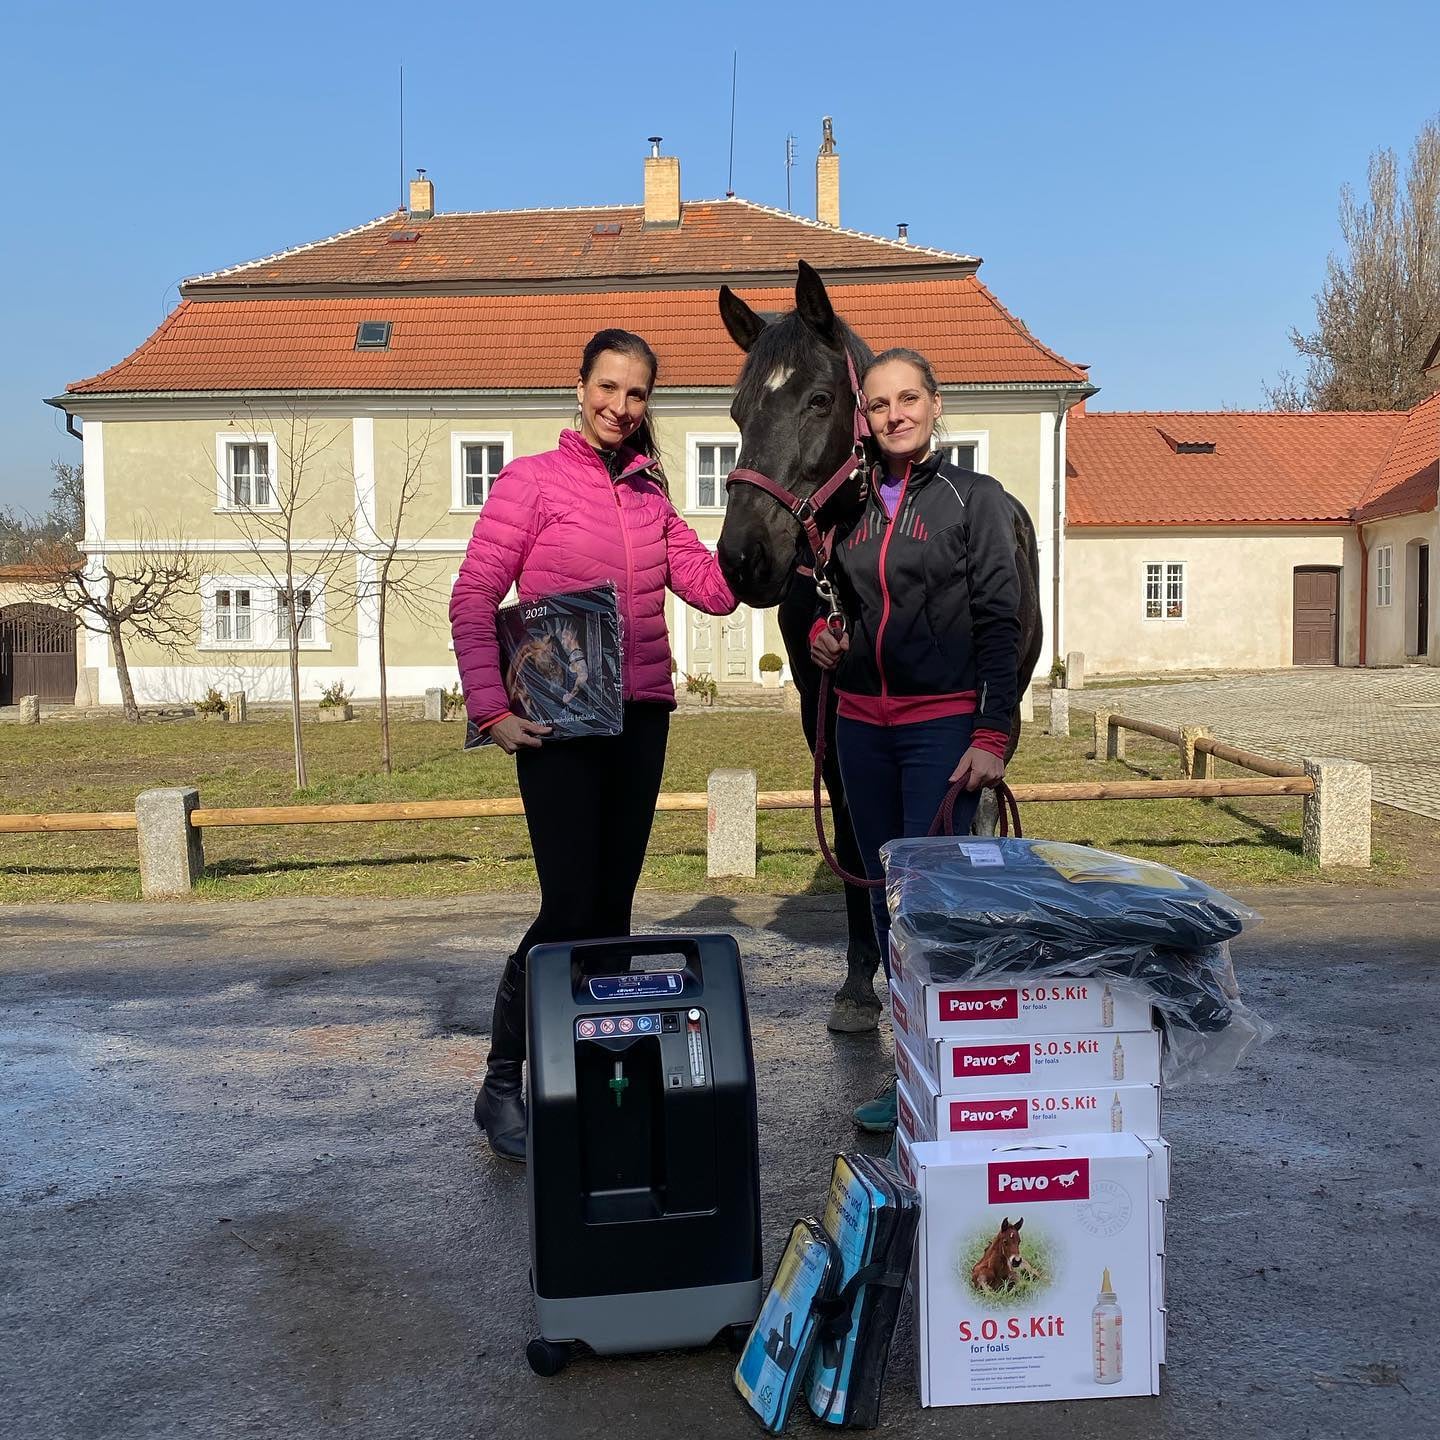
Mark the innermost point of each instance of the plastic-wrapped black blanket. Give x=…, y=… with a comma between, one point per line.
x=971, y=910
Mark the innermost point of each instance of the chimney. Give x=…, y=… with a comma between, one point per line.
x=662, y=188
x=422, y=197
x=902, y=231
x=827, y=179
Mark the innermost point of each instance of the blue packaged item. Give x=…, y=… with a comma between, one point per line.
x=778, y=1351
x=873, y=1217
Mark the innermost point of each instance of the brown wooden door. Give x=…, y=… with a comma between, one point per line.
x=1317, y=617
x=37, y=654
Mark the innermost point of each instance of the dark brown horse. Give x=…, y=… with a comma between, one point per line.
x=795, y=410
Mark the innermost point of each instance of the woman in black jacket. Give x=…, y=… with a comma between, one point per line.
x=926, y=671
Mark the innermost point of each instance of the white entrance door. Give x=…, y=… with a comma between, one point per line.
x=700, y=659
x=737, y=630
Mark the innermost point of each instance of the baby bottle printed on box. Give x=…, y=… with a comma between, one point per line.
x=1105, y=1323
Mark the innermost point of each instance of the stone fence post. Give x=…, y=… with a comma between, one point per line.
x=1060, y=713
x=237, y=708
x=730, y=824
x=1337, y=815
x=29, y=709
x=1108, y=744
x=171, y=855
x=1075, y=670
x=1027, y=706
x=1195, y=764
x=435, y=704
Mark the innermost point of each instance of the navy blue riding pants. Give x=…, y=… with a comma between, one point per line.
x=895, y=778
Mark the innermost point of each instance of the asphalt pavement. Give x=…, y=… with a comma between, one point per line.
x=241, y=1193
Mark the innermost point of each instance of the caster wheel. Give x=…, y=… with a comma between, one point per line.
x=735, y=1338
x=546, y=1357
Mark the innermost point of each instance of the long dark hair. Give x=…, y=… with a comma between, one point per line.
x=626, y=342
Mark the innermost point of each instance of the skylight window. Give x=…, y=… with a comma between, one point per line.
x=1194, y=447
x=608, y=227
x=373, y=335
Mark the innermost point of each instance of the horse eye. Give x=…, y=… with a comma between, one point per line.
x=820, y=401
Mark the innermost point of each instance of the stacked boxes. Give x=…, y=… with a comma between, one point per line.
x=1029, y=1120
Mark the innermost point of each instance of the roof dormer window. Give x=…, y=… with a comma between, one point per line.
x=373, y=335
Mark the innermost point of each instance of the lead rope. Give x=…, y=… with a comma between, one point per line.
x=943, y=823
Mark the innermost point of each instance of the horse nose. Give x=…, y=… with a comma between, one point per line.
x=739, y=561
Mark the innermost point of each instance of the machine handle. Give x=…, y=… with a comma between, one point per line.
x=629, y=946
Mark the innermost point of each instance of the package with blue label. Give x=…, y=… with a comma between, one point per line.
x=777, y=1354
x=562, y=662
x=872, y=1216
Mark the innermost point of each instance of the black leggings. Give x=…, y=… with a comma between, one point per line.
x=589, y=805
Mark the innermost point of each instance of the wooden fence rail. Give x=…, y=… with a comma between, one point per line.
x=1336, y=795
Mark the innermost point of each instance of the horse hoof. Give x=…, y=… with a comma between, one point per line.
x=850, y=1017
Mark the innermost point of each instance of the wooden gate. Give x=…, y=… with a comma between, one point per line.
x=1317, y=617
x=37, y=654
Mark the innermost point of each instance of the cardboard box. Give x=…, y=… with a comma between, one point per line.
x=1061, y=1007
x=1036, y=1270
x=1015, y=1115
x=1030, y=1063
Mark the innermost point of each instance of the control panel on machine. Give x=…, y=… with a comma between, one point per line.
x=683, y=1044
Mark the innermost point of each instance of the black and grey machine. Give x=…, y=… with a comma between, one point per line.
x=643, y=1170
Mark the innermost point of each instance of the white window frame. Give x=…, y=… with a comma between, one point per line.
x=265, y=605
x=459, y=439
x=1384, y=576
x=693, y=442
x=225, y=441
x=980, y=439
x=1164, y=567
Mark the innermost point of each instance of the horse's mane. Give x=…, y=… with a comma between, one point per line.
x=791, y=344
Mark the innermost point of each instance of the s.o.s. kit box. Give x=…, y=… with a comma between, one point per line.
x=1052, y=1007
x=1028, y=1062
x=1037, y=1273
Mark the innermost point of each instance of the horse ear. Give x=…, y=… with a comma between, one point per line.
x=813, y=302
x=740, y=320
x=1019, y=1222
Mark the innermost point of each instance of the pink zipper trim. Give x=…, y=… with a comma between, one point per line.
x=884, y=587
x=628, y=680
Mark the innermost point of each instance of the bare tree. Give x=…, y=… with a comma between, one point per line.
x=296, y=542
x=1378, y=313
x=146, y=593
x=402, y=578
x=20, y=534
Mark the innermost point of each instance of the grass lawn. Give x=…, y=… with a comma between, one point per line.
x=101, y=765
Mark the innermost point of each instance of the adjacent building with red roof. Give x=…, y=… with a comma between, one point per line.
x=1250, y=541
x=445, y=343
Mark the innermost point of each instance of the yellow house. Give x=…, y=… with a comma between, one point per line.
x=418, y=353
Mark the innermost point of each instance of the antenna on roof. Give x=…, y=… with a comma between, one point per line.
x=789, y=166
x=402, y=138
x=734, y=69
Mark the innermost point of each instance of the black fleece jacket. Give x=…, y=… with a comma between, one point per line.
x=932, y=596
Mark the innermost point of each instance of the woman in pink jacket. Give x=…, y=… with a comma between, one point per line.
x=596, y=509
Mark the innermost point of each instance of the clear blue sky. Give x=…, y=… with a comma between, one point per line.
x=1153, y=187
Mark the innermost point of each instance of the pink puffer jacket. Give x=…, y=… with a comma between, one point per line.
x=557, y=522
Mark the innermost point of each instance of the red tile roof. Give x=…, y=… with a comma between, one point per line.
x=1407, y=480
x=500, y=342
x=1267, y=468
x=509, y=248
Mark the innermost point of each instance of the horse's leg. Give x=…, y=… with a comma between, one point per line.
x=856, y=1007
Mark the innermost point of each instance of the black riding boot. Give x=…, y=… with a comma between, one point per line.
x=500, y=1105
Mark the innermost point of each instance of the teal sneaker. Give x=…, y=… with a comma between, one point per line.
x=878, y=1115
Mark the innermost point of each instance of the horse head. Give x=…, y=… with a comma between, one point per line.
x=795, y=410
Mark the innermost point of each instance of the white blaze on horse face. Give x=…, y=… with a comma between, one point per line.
x=778, y=376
